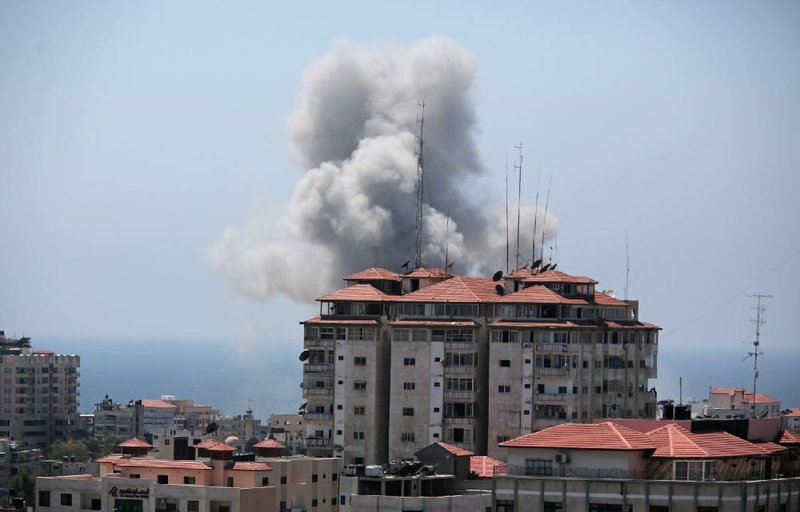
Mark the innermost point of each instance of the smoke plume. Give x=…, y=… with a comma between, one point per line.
x=354, y=130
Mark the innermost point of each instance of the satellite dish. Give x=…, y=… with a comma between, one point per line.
x=497, y=275
x=536, y=264
x=500, y=290
x=545, y=268
x=554, y=266
x=304, y=355
x=212, y=427
x=303, y=406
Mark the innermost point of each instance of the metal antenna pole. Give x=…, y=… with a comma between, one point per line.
x=420, y=189
x=508, y=255
x=518, y=167
x=759, y=321
x=627, y=265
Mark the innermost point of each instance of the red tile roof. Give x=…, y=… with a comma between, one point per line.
x=329, y=321
x=135, y=443
x=674, y=441
x=628, y=324
x=428, y=272
x=206, y=443
x=251, y=466
x=593, y=436
x=556, y=276
x=433, y=323
x=356, y=292
x=221, y=447
x=157, y=404
x=161, y=464
x=790, y=437
x=604, y=299
x=486, y=467
x=374, y=274
x=792, y=411
x=111, y=457
x=572, y=324
x=770, y=448
x=456, y=289
x=269, y=443
x=539, y=294
x=761, y=398
x=726, y=391
x=455, y=450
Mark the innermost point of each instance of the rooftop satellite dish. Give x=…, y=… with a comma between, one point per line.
x=545, y=268
x=303, y=405
x=304, y=355
x=500, y=290
x=536, y=264
x=554, y=266
x=497, y=275
x=212, y=427
x=405, y=265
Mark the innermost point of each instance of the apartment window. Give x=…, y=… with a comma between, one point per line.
x=409, y=361
x=335, y=477
x=407, y=437
x=435, y=409
x=538, y=467
x=282, y=506
x=502, y=439
x=229, y=481
x=358, y=461
x=358, y=436
x=695, y=470
x=408, y=411
x=66, y=499
x=359, y=410
x=313, y=502
x=96, y=504
x=527, y=361
x=409, y=386
x=339, y=407
x=505, y=363
x=452, y=384
x=437, y=384
x=188, y=480
x=360, y=361
x=461, y=359
x=134, y=475
x=562, y=390
x=44, y=498
x=314, y=477
x=283, y=480
x=162, y=479
x=503, y=389
x=338, y=432
x=527, y=385
x=360, y=384
x=341, y=358
x=192, y=506
x=265, y=481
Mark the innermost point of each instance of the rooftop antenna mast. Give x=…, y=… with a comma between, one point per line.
x=447, y=234
x=535, y=216
x=759, y=321
x=420, y=188
x=508, y=251
x=627, y=265
x=518, y=167
x=544, y=221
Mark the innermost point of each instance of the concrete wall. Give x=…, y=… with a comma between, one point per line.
x=608, y=460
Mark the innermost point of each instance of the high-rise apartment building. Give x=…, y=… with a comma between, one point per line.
x=38, y=393
x=396, y=362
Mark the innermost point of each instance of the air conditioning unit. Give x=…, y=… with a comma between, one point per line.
x=562, y=458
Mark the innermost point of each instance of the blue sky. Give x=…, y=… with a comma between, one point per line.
x=133, y=134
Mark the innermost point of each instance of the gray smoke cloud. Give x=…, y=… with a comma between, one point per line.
x=354, y=130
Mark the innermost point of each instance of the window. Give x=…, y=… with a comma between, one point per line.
x=265, y=481
x=538, y=467
x=409, y=386
x=360, y=384
x=192, y=506
x=409, y=361
x=44, y=498
x=502, y=439
x=66, y=499
x=162, y=479
x=134, y=475
x=503, y=389
x=283, y=480
x=96, y=504
x=314, y=502
x=407, y=437
x=460, y=409
x=335, y=477
x=505, y=363
x=360, y=361
x=408, y=411
x=314, y=478
x=229, y=481
x=455, y=384
x=358, y=436
x=359, y=410
x=695, y=470
x=188, y=480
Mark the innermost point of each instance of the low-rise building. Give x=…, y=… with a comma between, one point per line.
x=738, y=403
x=791, y=419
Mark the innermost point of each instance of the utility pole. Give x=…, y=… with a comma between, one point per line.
x=420, y=189
x=759, y=321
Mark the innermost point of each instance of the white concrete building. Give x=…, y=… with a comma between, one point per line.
x=397, y=362
x=727, y=403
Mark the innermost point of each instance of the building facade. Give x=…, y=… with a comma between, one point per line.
x=38, y=393
x=395, y=362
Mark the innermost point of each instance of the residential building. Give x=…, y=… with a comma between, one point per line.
x=112, y=419
x=14, y=459
x=610, y=467
x=288, y=429
x=396, y=362
x=791, y=418
x=738, y=403
x=39, y=393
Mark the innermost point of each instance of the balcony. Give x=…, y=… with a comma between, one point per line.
x=459, y=344
x=317, y=391
x=551, y=397
x=588, y=473
x=314, y=342
x=317, y=442
x=552, y=347
x=317, y=416
x=459, y=395
x=551, y=372
x=317, y=368
x=458, y=421
x=548, y=422
x=460, y=370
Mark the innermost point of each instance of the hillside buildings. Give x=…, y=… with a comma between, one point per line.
x=38, y=395
x=394, y=362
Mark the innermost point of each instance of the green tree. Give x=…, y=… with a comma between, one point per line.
x=24, y=484
x=70, y=448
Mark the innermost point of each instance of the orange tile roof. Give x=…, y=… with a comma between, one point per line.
x=111, y=457
x=726, y=391
x=221, y=447
x=770, y=448
x=556, y=276
x=520, y=273
x=674, y=441
x=792, y=411
x=251, y=466
x=592, y=436
x=790, y=437
x=157, y=404
x=206, y=443
x=330, y=321
x=456, y=289
x=434, y=323
x=269, y=443
x=761, y=398
x=455, y=450
x=604, y=299
x=628, y=324
x=572, y=324
x=135, y=443
x=538, y=294
x=161, y=464
x=486, y=467
x=356, y=292
x=374, y=274
x=428, y=272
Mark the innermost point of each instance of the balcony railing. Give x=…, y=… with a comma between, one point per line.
x=317, y=416
x=317, y=391
x=568, y=472
x=550, y=397
x=459, y=394
x=314, y=342
x=317, y=368
x=449, y=370
x=558, y=372
x=316, y=442
x=552, y=347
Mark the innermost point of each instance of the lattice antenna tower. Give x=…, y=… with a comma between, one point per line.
x=759, y=321
x=627, y=266
x=420, y=187
x=518, y=168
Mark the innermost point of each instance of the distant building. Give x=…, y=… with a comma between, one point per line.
x=39, y=393
x=288, y=429
x=738, y=403
x=610, y=467
x=396, y=362
x=111, y=419
x=15, y=459
x=791, y=419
